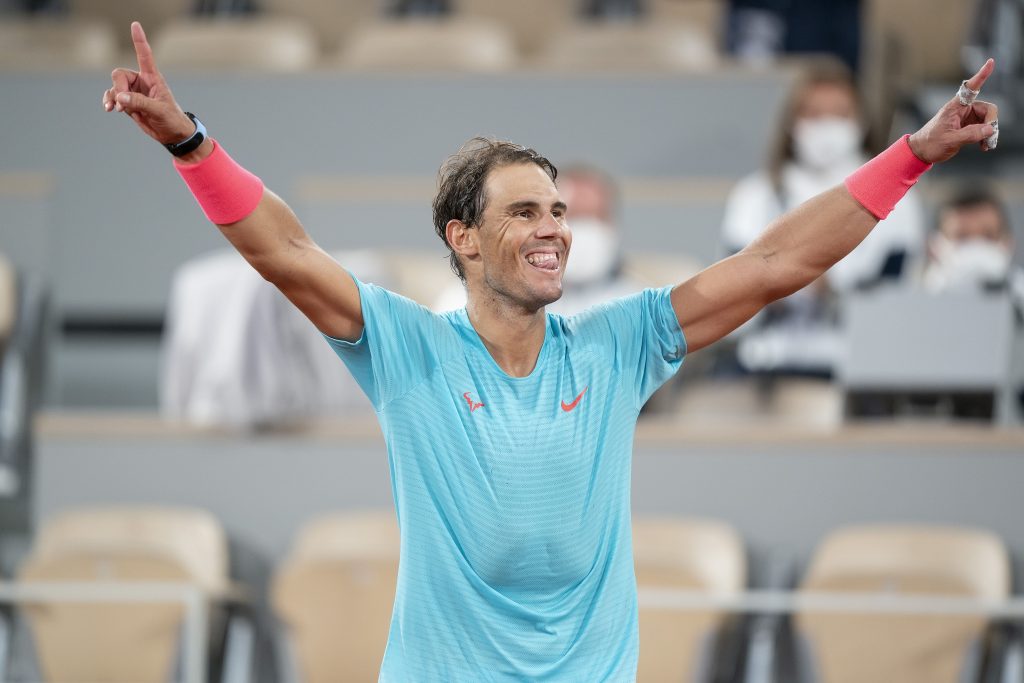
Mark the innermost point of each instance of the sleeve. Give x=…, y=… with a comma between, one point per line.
x=402, y=343
x=643, y=333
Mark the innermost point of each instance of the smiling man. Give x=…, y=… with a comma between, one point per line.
x=509, y=430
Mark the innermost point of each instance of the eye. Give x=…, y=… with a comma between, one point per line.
x=524, y=213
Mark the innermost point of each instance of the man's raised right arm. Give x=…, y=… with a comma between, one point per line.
x=269, y=235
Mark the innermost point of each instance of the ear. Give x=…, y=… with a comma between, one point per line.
x=462, y=238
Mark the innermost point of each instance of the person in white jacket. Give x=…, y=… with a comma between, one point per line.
x=821, y=140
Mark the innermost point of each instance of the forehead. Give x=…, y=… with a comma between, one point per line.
x=978, y=220
x=827, y=98
x=585, y=194
x=519, y=182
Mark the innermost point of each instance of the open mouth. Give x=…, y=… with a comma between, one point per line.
x=542, y=260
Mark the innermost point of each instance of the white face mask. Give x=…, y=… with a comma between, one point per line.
x=822, y=143
x=968, y=264
x=594, y=252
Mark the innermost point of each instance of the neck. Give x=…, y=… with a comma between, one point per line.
x=512, y=334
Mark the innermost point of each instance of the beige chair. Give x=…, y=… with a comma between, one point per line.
x=707, y=16
x=8, y=300
x=421, y=275
x=533, y=23
x=333, y=20
x=658, y=269
x=52, y=44
x=119, y=643
x=797, y=404
x=335, y=594
x=467, y=45
x=153, y=14
x=903, y=560
x=690, y=554
x=642, y=46
x=274, y=44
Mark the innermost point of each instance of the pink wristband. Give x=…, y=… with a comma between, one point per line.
x=883, y=181
x=226, y=192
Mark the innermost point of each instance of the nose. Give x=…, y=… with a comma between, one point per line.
x=550, y=226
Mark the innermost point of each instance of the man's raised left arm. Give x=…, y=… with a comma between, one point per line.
x=798, y=247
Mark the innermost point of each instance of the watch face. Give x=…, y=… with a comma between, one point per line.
x=185, y=146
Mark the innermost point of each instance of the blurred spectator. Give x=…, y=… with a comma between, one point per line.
x=594, y=273
x=419, y=8
x=246, y=358
x=821, y=140
x=972, y=247
x=34, y=6
x=613, y=9
x=758, y=30
x=209, y=8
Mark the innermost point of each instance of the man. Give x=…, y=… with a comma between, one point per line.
x=973, y=247
x=509, y=430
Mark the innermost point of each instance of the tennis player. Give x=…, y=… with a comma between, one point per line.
x=509, y=430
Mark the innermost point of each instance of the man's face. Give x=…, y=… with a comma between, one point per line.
x=523, y=237
x=978, y=222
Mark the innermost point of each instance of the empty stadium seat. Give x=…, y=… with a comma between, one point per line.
x=333, y=20
x=790, y=403
x=335, y=594
x=689, y=554
x=469, y=45
x=120, y=643
x=659, y=269
x=643, y=46
x=901, y=560
x=422, y=275
x=707, y=16
x=118, y=14
x=56, y=43
x=275, y=44
x=533, y=23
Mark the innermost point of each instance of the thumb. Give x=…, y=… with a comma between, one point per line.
x=977, y=132
x=133, y=102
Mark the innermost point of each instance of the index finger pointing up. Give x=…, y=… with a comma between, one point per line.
x=142, y=50
x=977, y=80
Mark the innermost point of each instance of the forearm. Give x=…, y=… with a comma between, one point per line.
x=809, y=240
x=798, y=247
x=257, y=223
x=269, y=238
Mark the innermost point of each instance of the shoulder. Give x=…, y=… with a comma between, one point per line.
x=624, y=312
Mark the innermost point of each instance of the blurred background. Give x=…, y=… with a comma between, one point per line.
x=166, y=419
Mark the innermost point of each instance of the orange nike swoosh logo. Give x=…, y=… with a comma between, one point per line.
x=569, y=406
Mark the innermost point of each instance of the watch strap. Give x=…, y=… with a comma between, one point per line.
x=189, y=144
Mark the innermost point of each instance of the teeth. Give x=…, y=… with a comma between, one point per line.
x=534, y=259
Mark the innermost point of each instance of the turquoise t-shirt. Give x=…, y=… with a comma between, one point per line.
x=512, y=493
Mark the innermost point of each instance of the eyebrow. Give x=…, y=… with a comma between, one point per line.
x=530, y=204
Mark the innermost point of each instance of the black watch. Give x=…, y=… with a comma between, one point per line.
x=189, y=144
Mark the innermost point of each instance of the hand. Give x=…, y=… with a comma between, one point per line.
x=144, y=96
x=957, y=125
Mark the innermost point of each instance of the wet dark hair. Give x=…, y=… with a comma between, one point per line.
x=460, y=183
